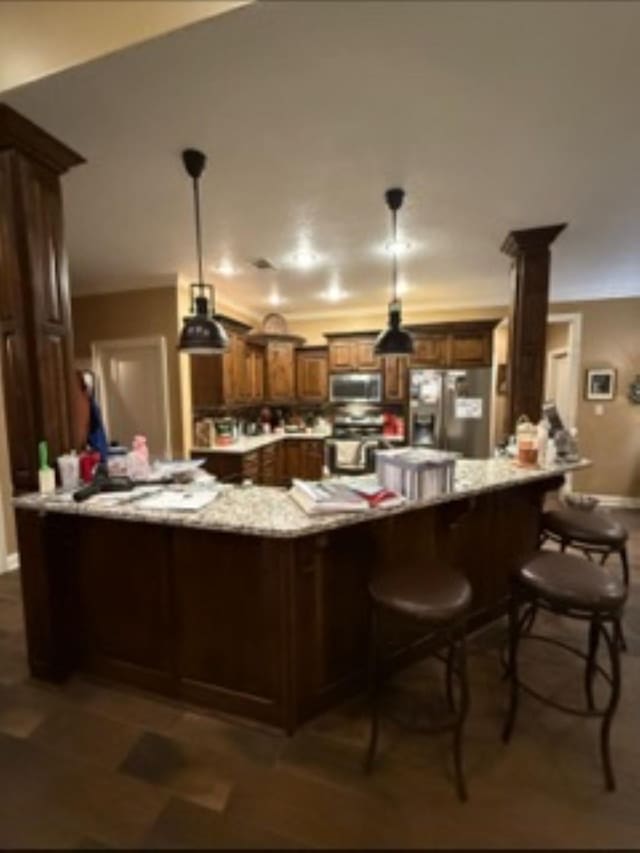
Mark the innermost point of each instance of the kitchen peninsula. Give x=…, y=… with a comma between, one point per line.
x=250, y=606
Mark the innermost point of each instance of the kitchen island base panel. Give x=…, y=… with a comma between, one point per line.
x=270, y=629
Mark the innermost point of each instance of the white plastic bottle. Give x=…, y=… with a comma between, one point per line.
x=543, y=441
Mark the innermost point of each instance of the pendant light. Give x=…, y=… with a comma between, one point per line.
x=394, y=340
x=201, y=334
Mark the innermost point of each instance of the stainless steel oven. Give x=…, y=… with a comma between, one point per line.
x=355, y=387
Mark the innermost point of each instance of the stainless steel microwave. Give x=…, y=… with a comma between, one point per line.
x=355, y=388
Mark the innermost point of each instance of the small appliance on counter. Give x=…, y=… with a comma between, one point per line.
x=417, y=474
x=224, y=431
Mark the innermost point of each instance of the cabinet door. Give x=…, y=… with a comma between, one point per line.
x=293, y=461
x=253, y=374
x=429, y=351
x=280, y=371
x=366, y=359
x=206, y=380
x=268, y=473
x=342, y=355
x=470, y=349
x=239, y=377
x=312, y=377
x=395, y=378
x=312, y=458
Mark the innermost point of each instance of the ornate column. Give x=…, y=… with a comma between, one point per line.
x=531, y=266
x=35, y=319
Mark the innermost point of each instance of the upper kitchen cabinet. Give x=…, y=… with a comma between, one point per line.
x=471, y=348
x=446, y=345
x=234, y=377
x=279, y=365
x=312, y=370
x=352, y=352
x=429, y=350
x=396, y=373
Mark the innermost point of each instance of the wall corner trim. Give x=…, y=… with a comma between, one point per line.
x=12, y=563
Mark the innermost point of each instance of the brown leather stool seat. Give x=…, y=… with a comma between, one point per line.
x=570, y=581
x=590, y=527
x=436, y=597
x=578, y=589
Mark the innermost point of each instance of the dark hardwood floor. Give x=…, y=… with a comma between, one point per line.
x=86, y=766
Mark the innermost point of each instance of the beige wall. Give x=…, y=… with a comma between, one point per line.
x=134, y=314
x=610, y=338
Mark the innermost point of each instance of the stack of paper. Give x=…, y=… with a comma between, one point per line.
x=318, y=498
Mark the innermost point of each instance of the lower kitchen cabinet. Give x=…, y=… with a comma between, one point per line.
x=272, y=465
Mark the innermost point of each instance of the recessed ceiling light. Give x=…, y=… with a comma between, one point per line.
x=397, y=247
x=225, y=267
x=275, y=299
x=304, y=257
x=334, y=293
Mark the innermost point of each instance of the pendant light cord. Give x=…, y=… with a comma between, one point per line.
x=196, y=207
x=395, y=256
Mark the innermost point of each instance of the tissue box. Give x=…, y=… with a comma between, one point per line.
x=416, y=473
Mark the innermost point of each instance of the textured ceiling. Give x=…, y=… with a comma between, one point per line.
x=492, y=116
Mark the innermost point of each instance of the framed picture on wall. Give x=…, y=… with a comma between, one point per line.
x=600, y=383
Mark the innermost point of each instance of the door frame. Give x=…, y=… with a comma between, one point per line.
x=574, y=351
x=157, y=342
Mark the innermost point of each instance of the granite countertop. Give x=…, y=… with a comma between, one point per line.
x=269, y=511
x=248, y=443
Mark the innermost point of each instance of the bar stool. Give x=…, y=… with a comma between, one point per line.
x=589, y=531
x=437, y=601
x=592, y=532
x=576, y=588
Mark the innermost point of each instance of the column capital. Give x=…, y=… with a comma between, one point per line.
x=530, y=239
x=19, y=134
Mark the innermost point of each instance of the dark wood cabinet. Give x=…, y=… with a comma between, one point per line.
x=470, y=349
x=429, y=350
x=396, y=378
x=459, y=344
x=280, y=372
x=233, y=378
x=312, y=374
x=272, y=465
x=353, y=352
x=35, y=317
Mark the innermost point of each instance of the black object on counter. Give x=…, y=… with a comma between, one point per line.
x=102, y=482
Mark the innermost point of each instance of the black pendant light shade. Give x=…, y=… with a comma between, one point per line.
x=201, y=334
x=394, y=340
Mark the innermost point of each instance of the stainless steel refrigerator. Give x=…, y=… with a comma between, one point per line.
x=451, y=410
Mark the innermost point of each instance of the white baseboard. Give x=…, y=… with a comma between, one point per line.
x=12, y=563
x=616, y=501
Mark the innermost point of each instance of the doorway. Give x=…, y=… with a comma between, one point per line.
x=132, y=390
x=558, y=381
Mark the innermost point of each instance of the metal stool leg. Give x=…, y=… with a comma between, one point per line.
x=374, y=679
x=461, y=668
x=624, y=559
x=514, y=639
x=613, y=645
x=592, y=653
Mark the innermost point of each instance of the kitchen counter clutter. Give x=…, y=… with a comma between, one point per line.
x=270, y=512
x=250, y=606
